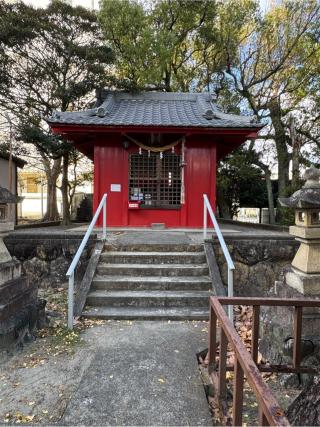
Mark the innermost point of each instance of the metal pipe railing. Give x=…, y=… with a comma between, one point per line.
x=73, y=265
x=208, y=209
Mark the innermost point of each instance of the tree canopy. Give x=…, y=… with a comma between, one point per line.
x=159, y=46
x=257, y=62
x=55, y=63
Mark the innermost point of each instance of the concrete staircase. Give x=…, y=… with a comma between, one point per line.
x=150, y=282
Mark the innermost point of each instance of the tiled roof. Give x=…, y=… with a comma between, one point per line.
x=155, y=109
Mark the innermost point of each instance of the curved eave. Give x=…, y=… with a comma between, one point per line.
x=64, y=128
x=79, y=134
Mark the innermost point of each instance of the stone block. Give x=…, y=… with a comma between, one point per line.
x=158, y=226
x=4, y=253
x=306, y=284
x=307, y=258
x=305, y=233
x=6, y=226
x=10, y=308
x=9, y=270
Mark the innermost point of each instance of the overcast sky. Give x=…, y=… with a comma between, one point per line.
x=84, y=3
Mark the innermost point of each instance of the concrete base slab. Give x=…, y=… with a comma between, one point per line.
x=143, y=375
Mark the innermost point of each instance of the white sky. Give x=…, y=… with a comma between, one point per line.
x=94, y=3
x=84, y=3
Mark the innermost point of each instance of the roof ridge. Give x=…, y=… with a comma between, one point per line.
x=157, y=96
x=184, y=109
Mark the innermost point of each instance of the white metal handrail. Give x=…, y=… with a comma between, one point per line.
x=73, y=265
x=207, y=208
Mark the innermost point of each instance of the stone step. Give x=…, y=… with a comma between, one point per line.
x=12, y=288
x=12, y=309
x=152, y=283
x=146, y=313
x=153, y=247
x=169, y=270
x=149, y=257
x=148, y=298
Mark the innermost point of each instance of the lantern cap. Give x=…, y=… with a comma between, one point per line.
x=7, y=197
x=309, y=195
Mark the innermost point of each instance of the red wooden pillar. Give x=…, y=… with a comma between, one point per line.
x=213, y=177
x=183, y=209
x=96, y=177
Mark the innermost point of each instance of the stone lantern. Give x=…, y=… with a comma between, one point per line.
x=305, y=274
x=6, y=224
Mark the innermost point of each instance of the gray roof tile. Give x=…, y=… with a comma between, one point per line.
x=155, y=109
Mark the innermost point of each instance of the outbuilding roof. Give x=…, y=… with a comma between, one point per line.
x=19, y=162
x=173, y=109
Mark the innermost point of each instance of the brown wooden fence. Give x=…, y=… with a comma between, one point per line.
x=246, y=364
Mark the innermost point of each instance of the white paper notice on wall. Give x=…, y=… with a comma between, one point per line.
x=115, y=188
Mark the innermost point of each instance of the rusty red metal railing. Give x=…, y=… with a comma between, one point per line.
x=246, y=364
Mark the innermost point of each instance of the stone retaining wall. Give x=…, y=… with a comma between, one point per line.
x=45, y=256
x=277, y=327
x=258, y=262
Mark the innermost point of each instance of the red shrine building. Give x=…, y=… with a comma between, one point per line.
x=155, y=153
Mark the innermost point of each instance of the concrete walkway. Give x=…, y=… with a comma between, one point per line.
x=143, y=375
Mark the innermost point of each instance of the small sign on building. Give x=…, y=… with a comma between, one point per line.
x=115, y=188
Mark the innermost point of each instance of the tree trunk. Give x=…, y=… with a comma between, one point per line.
x=267, y=175
x=295, y=165
x=224, y=210
x=305, y=409
x=272, y=218
x=283, y=156
x=282, y=149
x=52, y=174
x=167, y=80
x=64, y=190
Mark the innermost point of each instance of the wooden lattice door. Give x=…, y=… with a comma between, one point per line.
x=155, y=181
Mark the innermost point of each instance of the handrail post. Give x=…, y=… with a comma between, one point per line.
x=104, y=233
x=230, y=292
x=205, y=217
x=70, y=300
x=208, y=209
x=70, y=273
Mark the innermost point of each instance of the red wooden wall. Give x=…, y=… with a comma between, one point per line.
x=111, y=167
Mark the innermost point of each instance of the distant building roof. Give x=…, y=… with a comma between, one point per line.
x=173, y=109
x=19, y=162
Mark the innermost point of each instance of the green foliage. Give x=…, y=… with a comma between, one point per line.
x=159, y=46
x=285, y=216
x=240, y=183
